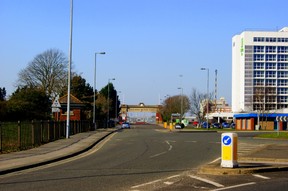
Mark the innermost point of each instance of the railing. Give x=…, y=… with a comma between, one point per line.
x=15, y=136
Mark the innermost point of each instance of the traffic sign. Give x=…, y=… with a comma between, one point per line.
x=56, y=103
x=55, y=109
x=226, y=140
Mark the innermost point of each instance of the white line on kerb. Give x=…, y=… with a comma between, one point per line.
x=215, y=160
x=260, y=176
x=207, y=181
x=235, y=186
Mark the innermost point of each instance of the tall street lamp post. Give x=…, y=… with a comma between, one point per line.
x=108, y=117
x=181, y=103
x=69, y=71
x=207, y=94
x=94, y=98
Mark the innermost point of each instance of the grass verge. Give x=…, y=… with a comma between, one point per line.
x=274, y=135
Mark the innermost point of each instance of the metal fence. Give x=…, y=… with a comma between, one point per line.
x=15, y=136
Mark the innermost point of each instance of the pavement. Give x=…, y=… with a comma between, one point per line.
x=52, y=152
x=270, y=157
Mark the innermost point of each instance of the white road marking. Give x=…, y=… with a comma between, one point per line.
x=168, y=183
x=155, y=181
x=158, y=154
x=207, y=181
x=235, y=186
x=190, y=141
x=260, y=176
x=215, y=160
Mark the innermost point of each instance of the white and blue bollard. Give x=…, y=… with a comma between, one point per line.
x=229, y=147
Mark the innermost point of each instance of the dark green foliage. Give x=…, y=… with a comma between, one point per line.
x=28, y=104
x=113, y=98
x=2, y=94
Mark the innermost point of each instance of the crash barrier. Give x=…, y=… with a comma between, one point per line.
x=15, y=136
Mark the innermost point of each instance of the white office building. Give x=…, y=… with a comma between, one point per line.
x=260, y=70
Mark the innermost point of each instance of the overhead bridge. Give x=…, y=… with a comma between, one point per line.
x=141, y=113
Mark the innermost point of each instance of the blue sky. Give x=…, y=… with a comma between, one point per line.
x=148, y=43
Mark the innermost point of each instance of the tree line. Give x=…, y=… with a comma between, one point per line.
x=42, y=80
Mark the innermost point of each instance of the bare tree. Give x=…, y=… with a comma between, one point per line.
x=47, y=71
x=198, y=104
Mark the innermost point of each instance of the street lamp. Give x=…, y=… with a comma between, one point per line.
x=181, y=103
x=69, y=71
x=108, y=102
x=94, y=102
x=207, y=93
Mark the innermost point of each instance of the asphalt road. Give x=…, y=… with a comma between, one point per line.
x=146, y=158
x=133, y=159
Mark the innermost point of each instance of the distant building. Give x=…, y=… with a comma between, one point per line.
x=260, y=71
x=220, y=111
x=220, y=106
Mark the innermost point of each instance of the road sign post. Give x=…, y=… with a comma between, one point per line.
x=229, y=144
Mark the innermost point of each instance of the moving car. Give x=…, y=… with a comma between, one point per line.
x=125, y=125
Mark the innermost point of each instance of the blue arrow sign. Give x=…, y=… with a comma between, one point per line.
x=226, y=140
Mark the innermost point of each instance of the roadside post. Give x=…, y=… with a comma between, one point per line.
x=171, y=126
x=229, y=144
x=165, y=125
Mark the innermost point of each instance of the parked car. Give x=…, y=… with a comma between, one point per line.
x=216, y=125
x=232, y=125
x=225, y=125
x=179, y=126
x=205, y=125
x=125, y=125
x=195, y=123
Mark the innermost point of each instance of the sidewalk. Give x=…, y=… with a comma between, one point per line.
x=272, y=157
x=52, y=152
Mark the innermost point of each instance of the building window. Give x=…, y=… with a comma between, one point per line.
x=258, y=74
x=270, y=57
x=270, y=82
x=282, y=66
x=270, y=74
x=282, y=82
x=282, y=39
x=282, y=91
x=282, y=99
x=282, y=49
x=282, y=74
x=270, y=65
x=283, y=58
x=270, y=49
x=258, y=82
x=270, y=39
x=258, y=65
x=270, y=99
x=258, y=39
x=258, y=57
x=258, y=49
